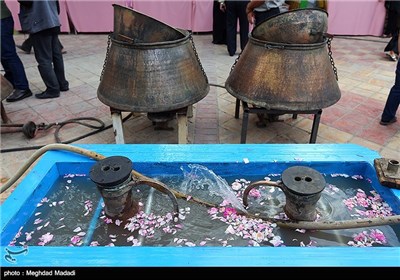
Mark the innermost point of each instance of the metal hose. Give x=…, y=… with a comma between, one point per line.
x=256, y=184
x=162, y=188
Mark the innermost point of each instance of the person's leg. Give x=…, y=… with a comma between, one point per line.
x=12, y=64
x=219, y=25
x=391, y=47
x=61, y=45
x=58, y=63
x=231, y=27
x=393, y=100
x=396, y=45
x=27, y=45
x=42, y=44
x=63, y=51
x=392, y=22
x=243, y=23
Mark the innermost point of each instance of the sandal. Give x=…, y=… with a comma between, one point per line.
x=393, y=57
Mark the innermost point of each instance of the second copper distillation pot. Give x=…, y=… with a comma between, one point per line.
x=286, y=64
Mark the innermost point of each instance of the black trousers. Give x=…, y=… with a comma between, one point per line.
x=47, y=49
x=219, y=25
x=393, y=45
x=393, y=100
x=236, y=10
x=27, y=44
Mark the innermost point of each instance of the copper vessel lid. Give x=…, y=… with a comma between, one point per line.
x=134, y=27
x=301, y=26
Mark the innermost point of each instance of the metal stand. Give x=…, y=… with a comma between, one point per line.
x=181, y=116
x=258, y=110
x=117, y=125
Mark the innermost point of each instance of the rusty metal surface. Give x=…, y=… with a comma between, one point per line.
x=112, y=176
x=303, y=180
x=147, y=74
x=284, y=76
x=286, y=64
x=136, y=27
x=388, y=172
x=388, y=178
x=303, y=26
x=154, y=78
x=6, y=88
x=302, y=186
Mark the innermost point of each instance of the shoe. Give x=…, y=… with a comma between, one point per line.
x=63, y=51
x=46, y=95
x=392, y=57
x=388, y=122
x=23, y=49
x=65, y=87
x=19, y=94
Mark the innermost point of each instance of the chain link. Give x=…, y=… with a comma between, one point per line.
x=107, y=52
x=236, y=60
x=197, y=57
x=329, y=42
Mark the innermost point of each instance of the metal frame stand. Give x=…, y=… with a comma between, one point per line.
x=258, y=110
x=181, y=116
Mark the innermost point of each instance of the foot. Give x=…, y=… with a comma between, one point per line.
x=65, y=87
x=19, y=94
x=391, y=56
x=382, y=122
x=25, y=50
x=46, y=95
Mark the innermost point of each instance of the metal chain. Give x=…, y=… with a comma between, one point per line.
x=107, y=52
x=236, y=60
x=329, y=42
x=197, y=57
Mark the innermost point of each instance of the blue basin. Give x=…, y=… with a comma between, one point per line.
x=225, y=160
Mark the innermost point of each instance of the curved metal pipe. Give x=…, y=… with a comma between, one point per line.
x=40, y=152
x=334, y=225
x=257, y=184
x=162, y=188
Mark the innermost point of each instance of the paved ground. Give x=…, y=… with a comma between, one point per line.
x=365, y=78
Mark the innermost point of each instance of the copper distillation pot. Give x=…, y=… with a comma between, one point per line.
x=286, y=64
x=150, y=67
